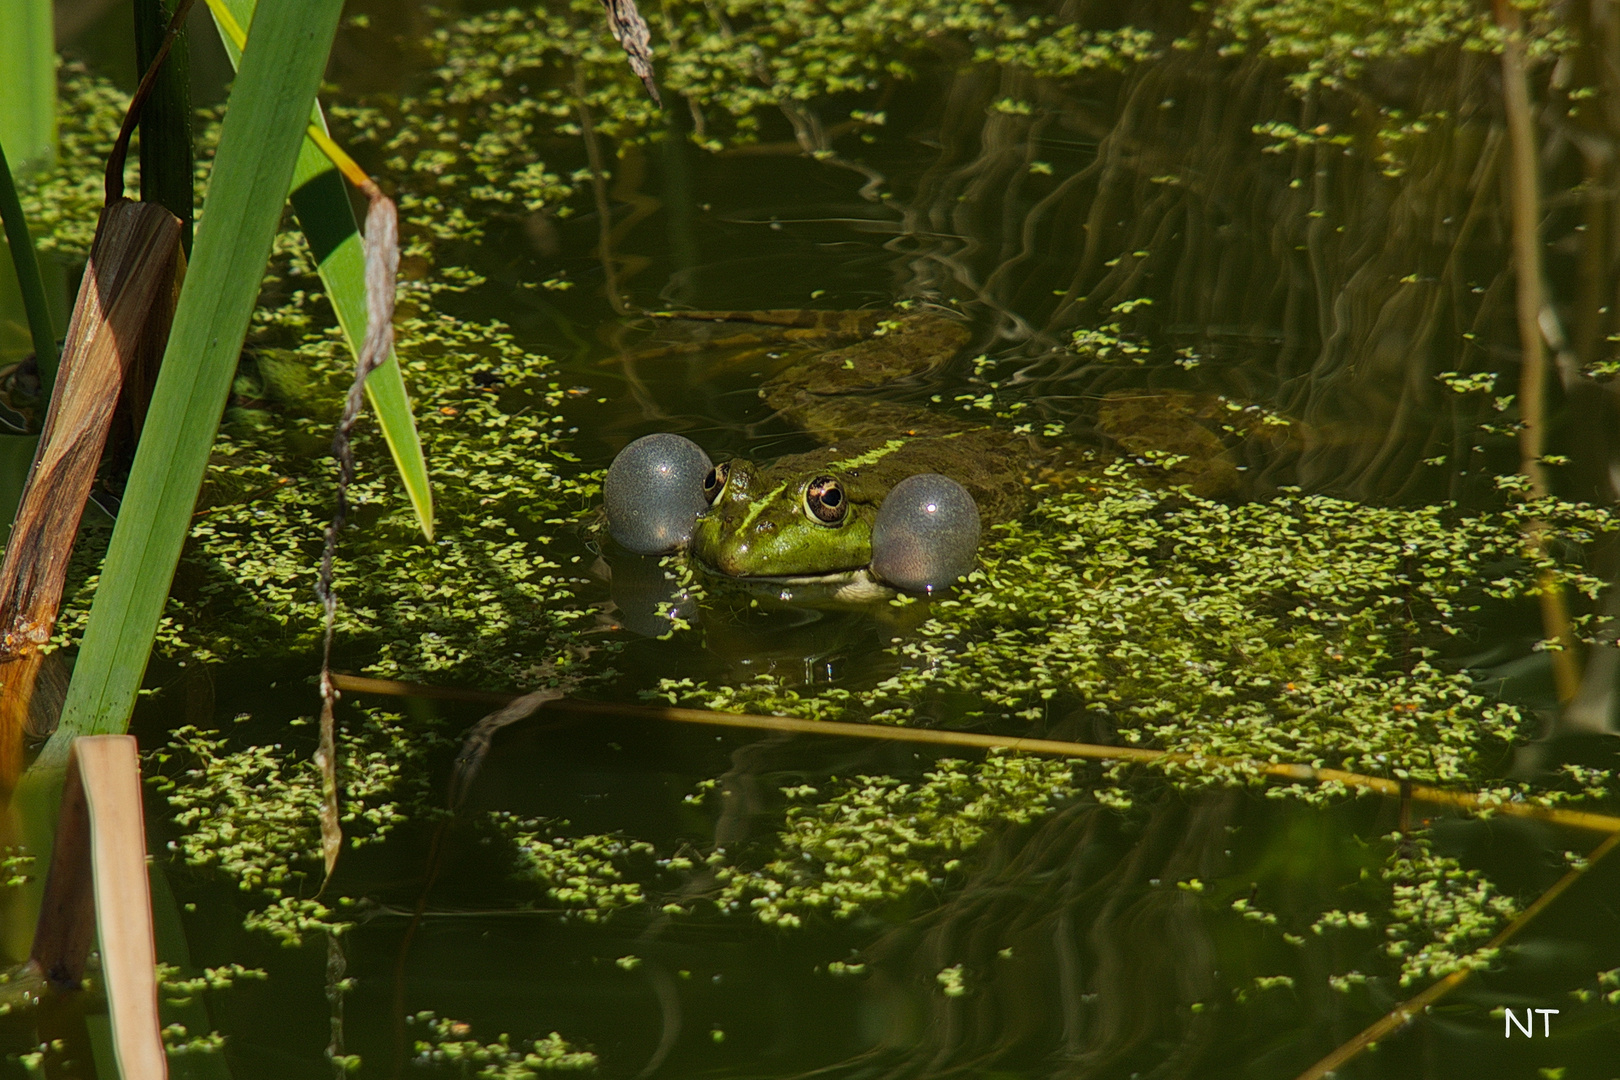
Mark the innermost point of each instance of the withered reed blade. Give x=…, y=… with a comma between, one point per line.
x=97, y=890
x=382, y=268
x=125, y=302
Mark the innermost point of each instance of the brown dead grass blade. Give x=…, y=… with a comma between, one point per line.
x=128, y=287
x=382, y=266
x=97, y=888
x=630, y=31
x=119, y=325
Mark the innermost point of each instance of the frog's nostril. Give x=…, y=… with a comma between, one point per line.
x=765, y=527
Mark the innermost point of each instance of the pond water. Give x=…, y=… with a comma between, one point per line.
x=1272, y=333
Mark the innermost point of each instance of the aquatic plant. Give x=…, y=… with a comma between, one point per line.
x=874, y=840
x=443, y=1042
x=1303, y=627
x=250, y=812
x=586, y=875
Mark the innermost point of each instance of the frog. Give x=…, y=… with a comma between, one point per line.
x=818, y=518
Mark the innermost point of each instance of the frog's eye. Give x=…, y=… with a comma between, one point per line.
x=715, y=482
x=824, y=499
x=653, y=493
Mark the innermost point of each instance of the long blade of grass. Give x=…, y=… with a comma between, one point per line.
x=28, y=105
x=327, y=219
x=258, y=148
x=29, y=281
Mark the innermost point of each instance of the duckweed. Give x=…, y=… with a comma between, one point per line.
x=584, y=874
x=445, y=1046
x=250, y=813
x=876, y=840
x=1440, y=912
x=1302, y=629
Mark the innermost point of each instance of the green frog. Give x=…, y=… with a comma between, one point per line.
x=896, y=495
x=819, y=517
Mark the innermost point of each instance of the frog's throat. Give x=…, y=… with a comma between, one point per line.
x=846, y=585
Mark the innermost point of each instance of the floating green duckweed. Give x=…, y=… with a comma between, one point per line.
x=1303, y=629
x=488, y=602
x=178, y=991
x=63, y=203
x=445, y=1046
x=1336, y=42
x=508, y=81
x=1440, y=912
x=876, y=840
x=250, y=813
x=587, y=875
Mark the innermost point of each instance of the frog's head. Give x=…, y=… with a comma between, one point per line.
x=808, y=516
x=767, y=522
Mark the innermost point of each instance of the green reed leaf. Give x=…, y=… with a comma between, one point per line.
x=29, y=282
x=28, y=105
x=253, y=170
x=326, y=216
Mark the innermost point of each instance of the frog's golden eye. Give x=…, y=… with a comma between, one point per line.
x=715, y=482
x=824, y=499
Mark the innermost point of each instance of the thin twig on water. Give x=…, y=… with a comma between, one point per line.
x=1434, y=796
x=1410, y=1009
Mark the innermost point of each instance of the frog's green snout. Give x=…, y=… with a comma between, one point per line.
x=653, y=493
x=926, y=533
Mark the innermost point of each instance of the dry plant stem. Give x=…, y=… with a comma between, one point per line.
x=132, y=115
x=1461, y=800
x=125, y=303
x=382, y=265
x=128, y=281
x=630, y=31
x=1526, y=215
x=97, y=888
x=1412, y=1008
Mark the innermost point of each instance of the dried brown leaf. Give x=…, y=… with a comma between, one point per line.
x=382, y=268
x=630, y=31
x=125, y=304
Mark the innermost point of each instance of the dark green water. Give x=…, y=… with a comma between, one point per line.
x=1082, y=955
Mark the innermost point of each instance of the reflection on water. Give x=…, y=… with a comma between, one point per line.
x=1290, y=287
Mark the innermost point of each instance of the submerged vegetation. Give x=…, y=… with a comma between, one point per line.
x=1236, y=202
